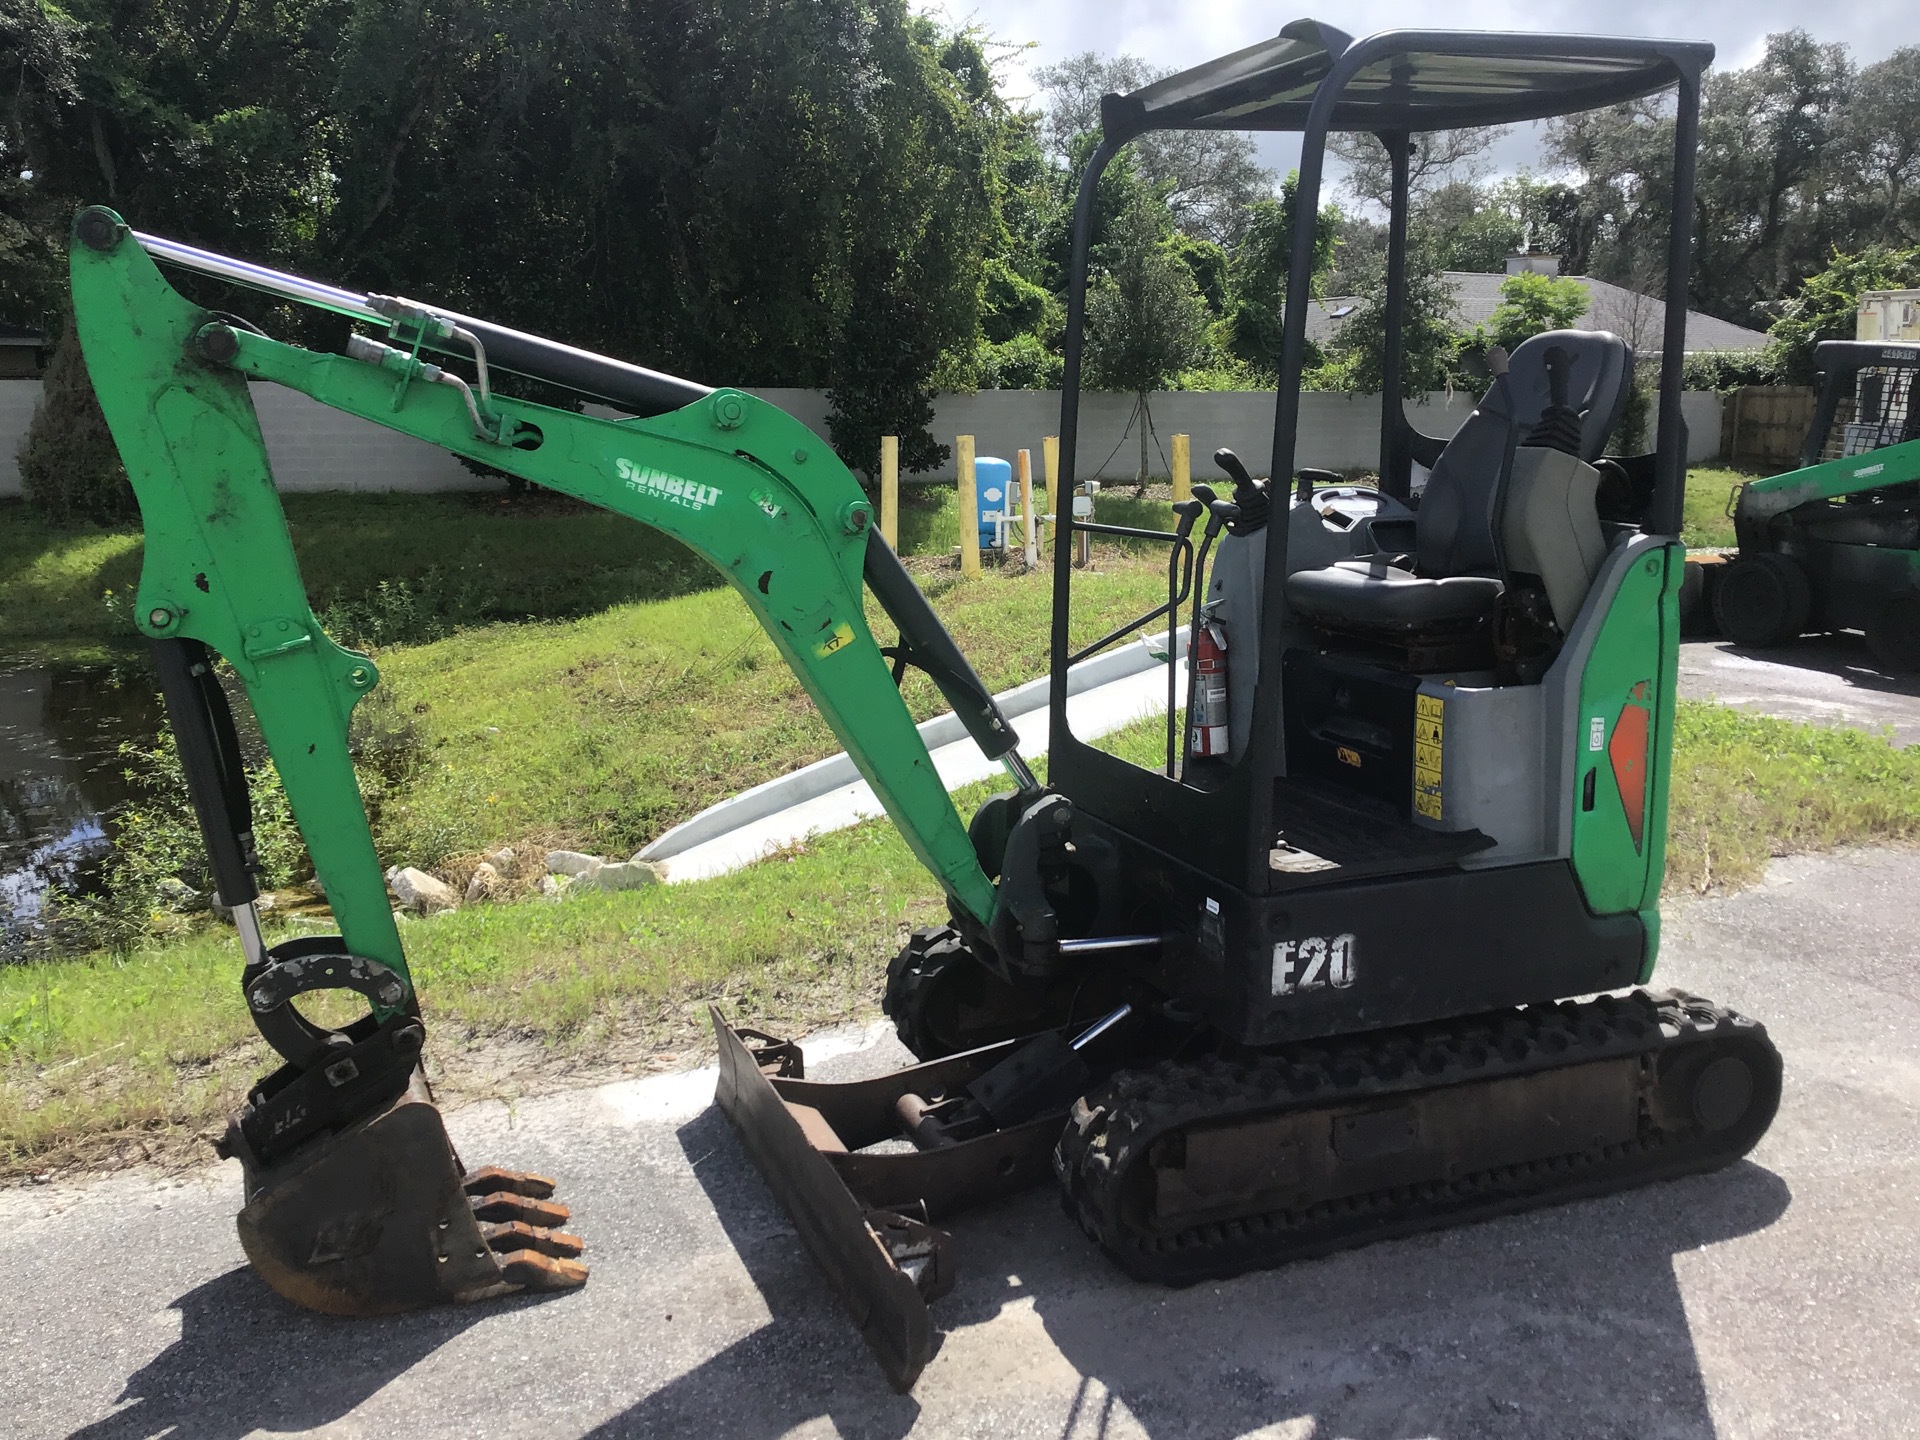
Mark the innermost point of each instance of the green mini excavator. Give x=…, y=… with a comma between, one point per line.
x=1358, y=959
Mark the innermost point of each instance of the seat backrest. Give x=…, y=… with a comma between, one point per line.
x=1454, y=524
x=1599, y=382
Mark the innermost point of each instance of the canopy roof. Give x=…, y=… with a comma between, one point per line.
x=1411, y=80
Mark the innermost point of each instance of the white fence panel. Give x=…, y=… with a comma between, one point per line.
x=314, y=448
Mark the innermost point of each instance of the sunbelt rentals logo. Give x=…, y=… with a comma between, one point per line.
x=645, y=480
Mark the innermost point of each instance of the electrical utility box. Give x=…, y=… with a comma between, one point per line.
x=1888, y=315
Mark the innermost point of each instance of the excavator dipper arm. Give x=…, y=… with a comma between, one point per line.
x=353, y=1205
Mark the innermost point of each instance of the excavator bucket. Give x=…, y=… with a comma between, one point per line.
x=382, y=1217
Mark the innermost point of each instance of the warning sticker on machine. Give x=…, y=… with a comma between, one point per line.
x=841, y=637
x=1429, y=729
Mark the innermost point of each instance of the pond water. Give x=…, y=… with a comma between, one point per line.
x=62, y=723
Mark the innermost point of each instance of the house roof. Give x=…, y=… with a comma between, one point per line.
x=1635, y=317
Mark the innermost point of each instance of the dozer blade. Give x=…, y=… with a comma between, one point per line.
x=382, y=1218
x=810, y=1141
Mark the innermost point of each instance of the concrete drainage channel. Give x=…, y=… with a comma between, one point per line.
x=1104, y=694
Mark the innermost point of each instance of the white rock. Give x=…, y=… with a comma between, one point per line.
x=485, y=883
x=500, y=859
x=551, y=888
x=572, y=862
x=177, y=895
x=629, y=875
x=420, y=892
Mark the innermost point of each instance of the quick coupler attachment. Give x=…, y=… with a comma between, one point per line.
x=356, y=1203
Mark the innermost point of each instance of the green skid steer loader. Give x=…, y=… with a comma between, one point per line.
x=1835, y=544
x=1359, y=959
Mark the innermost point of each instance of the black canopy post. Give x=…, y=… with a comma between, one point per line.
x=1060, y=497
x=1396, y=461
x=1665, y=513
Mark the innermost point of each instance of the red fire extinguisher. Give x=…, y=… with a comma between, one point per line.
x=1208, y=726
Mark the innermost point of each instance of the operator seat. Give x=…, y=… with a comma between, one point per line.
x=1454, y=578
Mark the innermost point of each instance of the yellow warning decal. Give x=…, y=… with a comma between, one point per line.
x=841, y=637
x=1429, y=730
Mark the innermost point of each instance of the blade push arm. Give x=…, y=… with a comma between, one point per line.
x=744, y=485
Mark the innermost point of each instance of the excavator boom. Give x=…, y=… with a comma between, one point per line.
x=356, y=1202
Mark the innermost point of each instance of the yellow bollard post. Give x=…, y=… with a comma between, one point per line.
x=969, y=506
x=1050, y=461
x=1182, y=468
x=1029, y=522
x=890, y=489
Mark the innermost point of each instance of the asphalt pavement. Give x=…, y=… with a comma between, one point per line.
x=1820, y=679
x=1778, y=1298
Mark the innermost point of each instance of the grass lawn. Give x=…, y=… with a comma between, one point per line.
x=603, y=732
x=1706, y=523
x=401, y=566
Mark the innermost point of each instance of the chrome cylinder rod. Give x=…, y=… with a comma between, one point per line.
x=259, y=277
x=1100, y=1027
x=1109, y=942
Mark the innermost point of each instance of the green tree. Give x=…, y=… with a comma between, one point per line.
x=1438, y=159
x=1210, y=178
x=39, y=49
x=1430, y=341
x=1879, y=136
x=69, y=467
x=1530, y=305
x=1771, y=198
x=1824, y=306
x=1257, y=276
x=1146, y=321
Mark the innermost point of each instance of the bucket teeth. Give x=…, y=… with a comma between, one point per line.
x=531, y=1270
x=491, y=1179
x=518, y=1235
x=503, y=1207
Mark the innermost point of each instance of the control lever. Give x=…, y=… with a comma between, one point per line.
x=1248, y=493
x=1236, y=472
x=1310, y=477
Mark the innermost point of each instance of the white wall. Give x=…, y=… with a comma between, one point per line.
x=314, y=448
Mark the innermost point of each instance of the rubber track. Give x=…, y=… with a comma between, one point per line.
x=1115, y=1128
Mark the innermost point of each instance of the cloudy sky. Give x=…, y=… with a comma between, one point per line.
x=1185, y=32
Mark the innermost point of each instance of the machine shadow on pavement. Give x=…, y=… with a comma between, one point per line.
x=1843, y=655
x=249, y=1361
x=1562, y=1322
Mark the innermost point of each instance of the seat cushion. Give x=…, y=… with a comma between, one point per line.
x=1373, y=594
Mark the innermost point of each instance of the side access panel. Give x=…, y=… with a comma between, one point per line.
x=1365, y=954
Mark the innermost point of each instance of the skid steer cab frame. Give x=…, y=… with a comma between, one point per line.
x=1835, y=544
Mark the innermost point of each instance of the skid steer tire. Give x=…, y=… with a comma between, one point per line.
x=1893, y=635
x=1763, y=601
